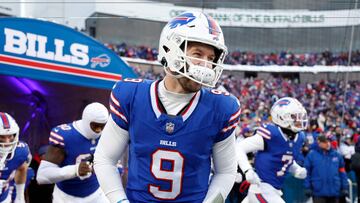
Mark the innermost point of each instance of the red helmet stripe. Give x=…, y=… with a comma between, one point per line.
x=213, y=28
x=5, y=120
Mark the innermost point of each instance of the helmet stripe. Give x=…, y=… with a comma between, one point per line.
x=5, y=120
x=213, y=28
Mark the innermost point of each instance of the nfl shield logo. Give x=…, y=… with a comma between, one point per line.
x=170, y=127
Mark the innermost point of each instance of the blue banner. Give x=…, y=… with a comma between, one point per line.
x=47, y=51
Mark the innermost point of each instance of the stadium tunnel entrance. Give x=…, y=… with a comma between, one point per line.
x=40, y=105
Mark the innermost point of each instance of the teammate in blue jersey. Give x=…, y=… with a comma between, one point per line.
x=278, y=145
x=14, y=159
x=173, y=127
x=68, y=160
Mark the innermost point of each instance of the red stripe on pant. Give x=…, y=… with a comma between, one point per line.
x=260, y=198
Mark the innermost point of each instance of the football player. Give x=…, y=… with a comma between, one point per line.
x=173, y=126
x=68, y=160
x=278, y=144
x=14, y=159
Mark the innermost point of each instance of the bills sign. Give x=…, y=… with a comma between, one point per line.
x=48, y=51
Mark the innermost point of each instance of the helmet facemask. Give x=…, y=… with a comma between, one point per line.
x=8, y=127
x=7, y=151
x=206, y=74
x=296, y=121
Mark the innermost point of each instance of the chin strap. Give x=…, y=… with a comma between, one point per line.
x=172, y=73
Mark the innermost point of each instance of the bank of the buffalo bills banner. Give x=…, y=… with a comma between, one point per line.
x=48, y=51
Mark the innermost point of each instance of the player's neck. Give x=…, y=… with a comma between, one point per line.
x=289, y=133
x=172, y=85
x=173, y=95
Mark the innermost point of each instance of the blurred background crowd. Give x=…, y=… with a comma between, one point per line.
x=288, y=58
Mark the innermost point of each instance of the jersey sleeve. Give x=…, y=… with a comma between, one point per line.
x=56, y=137
x=25, y=153
x=232, y=116
x=120, y=102
x=264, y=132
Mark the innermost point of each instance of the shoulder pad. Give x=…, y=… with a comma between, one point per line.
x=58, y=134
x=264, y=131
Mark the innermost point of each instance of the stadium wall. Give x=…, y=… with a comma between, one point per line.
x=117, y=29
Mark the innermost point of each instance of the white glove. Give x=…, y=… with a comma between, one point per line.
x=19, y=200
x=85, y=176
x=300, y=173
x=20, y=189
x=252, y=177
x=238, y=178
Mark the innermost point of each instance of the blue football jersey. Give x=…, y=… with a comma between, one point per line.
x=272, y=164
x=170, y=156
x=22, y=155
x=77, y=148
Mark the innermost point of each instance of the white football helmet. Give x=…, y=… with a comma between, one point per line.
x=8, y=126
x=192, y=27
x=289, y=113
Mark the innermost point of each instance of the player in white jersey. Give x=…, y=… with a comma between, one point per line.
x=68, y=161
x=14, y=159
x=278, y=145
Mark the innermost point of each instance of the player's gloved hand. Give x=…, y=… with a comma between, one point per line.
x=308, y=192
x=19, y=199
x=84, y=170
x=300, y=173
x=344, y=192
x=252, y=177
x=238, y=178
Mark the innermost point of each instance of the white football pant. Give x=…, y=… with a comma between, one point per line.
x=96, y=197
x=264, y=193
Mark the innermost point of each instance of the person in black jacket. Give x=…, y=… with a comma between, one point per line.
x=355, y=166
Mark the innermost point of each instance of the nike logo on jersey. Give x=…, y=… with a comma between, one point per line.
x=168, y=143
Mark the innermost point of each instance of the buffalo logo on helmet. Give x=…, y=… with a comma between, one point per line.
x=283, y=102
x=181, y=20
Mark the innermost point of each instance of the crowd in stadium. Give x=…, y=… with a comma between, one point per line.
x=287, y=58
